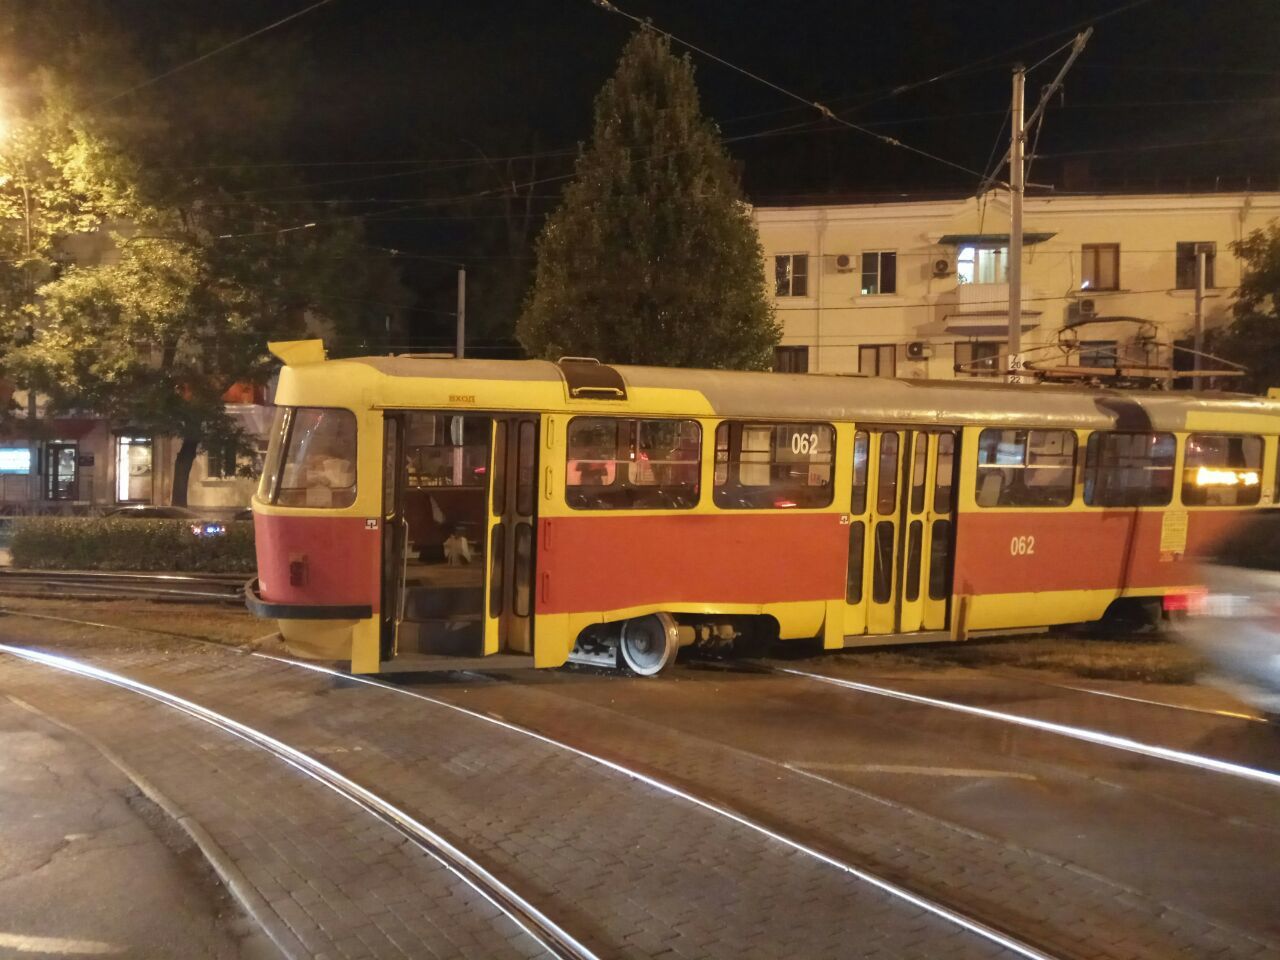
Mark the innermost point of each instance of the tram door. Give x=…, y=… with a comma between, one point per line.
x=434, y=522
x=900, y=517
x=511, y=536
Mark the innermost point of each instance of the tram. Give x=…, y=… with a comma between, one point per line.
x=416, y=513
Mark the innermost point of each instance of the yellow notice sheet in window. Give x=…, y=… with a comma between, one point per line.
x=1173, y=534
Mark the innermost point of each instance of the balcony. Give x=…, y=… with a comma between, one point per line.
x=983, y=308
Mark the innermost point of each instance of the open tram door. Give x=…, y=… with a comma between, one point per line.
x=901, y=532
x=457, y=565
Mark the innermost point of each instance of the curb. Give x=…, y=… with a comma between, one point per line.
x=254, y=904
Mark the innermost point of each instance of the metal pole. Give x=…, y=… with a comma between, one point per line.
x=33, y=411
x=460, y=349
x=1199, y=340
x=1016, y=190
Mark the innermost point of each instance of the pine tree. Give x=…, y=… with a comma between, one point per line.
x=652, y=257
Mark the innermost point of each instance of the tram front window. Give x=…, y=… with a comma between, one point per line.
x=311, y=460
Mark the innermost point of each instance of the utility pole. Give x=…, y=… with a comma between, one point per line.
x=1017, y=188
x=1199, y=335
x=460, y=349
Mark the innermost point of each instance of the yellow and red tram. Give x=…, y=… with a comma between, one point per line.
x=414, y=511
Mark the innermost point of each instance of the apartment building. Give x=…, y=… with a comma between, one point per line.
x=920, y=288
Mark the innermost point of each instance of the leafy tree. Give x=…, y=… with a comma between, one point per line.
x=1253, y=336
x=196, y=269
x=652, y=258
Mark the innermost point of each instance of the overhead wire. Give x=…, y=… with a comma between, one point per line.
x=824, y=110
x=213, y=53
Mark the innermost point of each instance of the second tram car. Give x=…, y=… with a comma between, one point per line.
x=416, y=511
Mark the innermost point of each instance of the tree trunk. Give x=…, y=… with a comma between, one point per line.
x=182, y=469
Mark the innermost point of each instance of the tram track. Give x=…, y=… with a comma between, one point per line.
x=990, y=933
x=1034, y=946
x=534, y=922
x=1099, y=738
x=92, y=585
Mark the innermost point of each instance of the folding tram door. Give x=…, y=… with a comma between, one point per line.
x=901, y=531
x=512, y=525
x=459, y=500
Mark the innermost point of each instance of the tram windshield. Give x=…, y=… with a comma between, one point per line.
x=311, y=458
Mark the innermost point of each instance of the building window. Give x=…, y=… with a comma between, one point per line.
x=791, y=359
x=61, y=475
x=791, y=274
x=982, y=265
x=880, y=360
x=879, y=272
x=773, y=466
x=221, y=461
x=978, y=359
x=1098, y=353
x=1187, y=256
x=1100, y=266
x=133, y=469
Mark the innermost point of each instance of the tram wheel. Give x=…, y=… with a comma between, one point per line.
x=647, y=645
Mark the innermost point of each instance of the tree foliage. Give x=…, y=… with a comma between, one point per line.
x=652, y=257
x=158, y=268
x=1252, y=338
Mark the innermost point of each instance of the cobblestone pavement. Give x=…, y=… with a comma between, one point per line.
x=679, y=729
x=1171, y=834
x=627, y=869
x=334, y=882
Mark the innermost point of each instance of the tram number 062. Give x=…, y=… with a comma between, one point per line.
x=804, y=444
x=1022, y=546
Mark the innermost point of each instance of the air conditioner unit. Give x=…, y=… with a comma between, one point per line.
x=1088, y=307
x=942, y=267
x=844, y=263
x=919, y=350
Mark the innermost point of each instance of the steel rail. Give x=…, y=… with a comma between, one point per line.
x=536, y=924
x=1113, y=741
x=895, y=890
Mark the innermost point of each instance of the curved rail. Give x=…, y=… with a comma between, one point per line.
x=1046, y=726
x=553, y=938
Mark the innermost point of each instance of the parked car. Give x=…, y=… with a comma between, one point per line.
x=1235, y=623
x=147, y=511
x=245, y=514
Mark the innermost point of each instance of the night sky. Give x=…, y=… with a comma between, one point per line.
x=456, y=86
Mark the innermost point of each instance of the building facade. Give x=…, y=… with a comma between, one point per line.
x=920, y=289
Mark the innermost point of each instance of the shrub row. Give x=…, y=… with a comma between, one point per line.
x=103, y=543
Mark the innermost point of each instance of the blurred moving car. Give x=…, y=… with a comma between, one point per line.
x=147, y=511
x=1235, y=623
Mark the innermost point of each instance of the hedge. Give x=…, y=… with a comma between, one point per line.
x=116, y=543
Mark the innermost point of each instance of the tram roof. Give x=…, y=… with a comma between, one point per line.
x=749, y=394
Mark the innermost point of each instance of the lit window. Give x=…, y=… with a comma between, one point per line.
x=982, y=265
x=133, y=469
x=616, y=463
x=879, y=272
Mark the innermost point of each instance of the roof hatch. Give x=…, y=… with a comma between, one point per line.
x=586, y=378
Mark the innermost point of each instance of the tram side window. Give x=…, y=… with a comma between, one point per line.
x=1129, y=469
x=1026, y=468
x=1220, y=470
x=311, y=459
x=760, y=466
x=617, y=463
